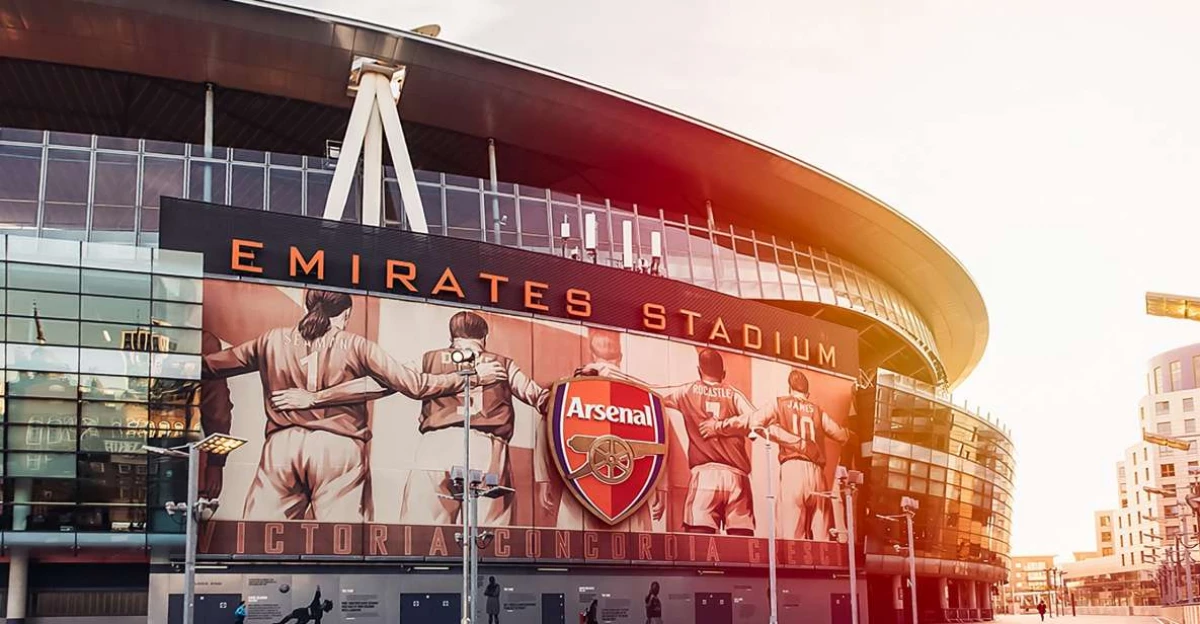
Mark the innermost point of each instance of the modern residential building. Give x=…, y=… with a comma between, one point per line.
x=1030, y=581
x=191, y=246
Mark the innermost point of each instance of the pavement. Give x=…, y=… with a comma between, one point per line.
x=1083, y=619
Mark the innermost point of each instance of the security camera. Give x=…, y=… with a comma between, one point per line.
x=476, y=477
x=457, y=475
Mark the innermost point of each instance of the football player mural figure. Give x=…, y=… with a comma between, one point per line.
x=716, y=416
x=492, y=423
x=314, y=459
x=800, y=427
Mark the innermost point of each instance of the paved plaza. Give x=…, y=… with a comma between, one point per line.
x=1083, y=619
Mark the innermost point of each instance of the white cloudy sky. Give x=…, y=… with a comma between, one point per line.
x=1052, y=146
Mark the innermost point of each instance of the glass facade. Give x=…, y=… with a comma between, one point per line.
x=105, y=189
x=957, y=464
x=101, y=357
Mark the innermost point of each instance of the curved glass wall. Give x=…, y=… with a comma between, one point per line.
x=107, y=189
x=957, y=464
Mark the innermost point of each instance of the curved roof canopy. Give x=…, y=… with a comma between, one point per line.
x=621, y=147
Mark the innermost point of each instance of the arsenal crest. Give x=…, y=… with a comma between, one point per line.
x=609, y=441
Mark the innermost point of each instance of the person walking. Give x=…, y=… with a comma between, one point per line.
x=653, y=605
x=492, y=592
x=1042, y=610
x=591, y=618
x=239, y=614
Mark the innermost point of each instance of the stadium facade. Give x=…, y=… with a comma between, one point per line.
x=174, y=267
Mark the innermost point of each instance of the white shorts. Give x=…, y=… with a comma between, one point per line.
x=438, y=452
x=311, y=475
x=719, y=497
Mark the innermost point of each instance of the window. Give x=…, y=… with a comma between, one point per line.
x=1176, y=368
x=1162, y=408
x=1122, y=541
x=1106, y=537
x=1189, y=404
x=1167, y=470
x=1158, y=380
x=1164, y=428
x=1104, y=521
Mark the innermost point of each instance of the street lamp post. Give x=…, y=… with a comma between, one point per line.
x=909, y=506
x=771, y=564
x=850, y=480
x=195, y=507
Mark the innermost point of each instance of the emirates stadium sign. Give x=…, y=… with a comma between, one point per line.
x=609, y=442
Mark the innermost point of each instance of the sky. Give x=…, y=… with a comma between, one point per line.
x=1051, y=146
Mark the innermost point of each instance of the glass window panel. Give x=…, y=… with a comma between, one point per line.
x=620, y=221
x=43, y=251
x=726, y=267
x=178, y=314
x=501, y=213
x=246, y=187
x=535, y=228
x=115, y=197
x=702, y=260
x=34, y=384
x=747, y=266
x=317, y=190
x=102, y=440
x=180, y=340
x=43, y=277
x=113, y=336
x=165, y=147
x=106, y=362
x=119, y=388
x=572, y=245
x=126, y=144
x=131, y=311
x=769, y=272
x=47, y=304
x=42, y=331
x=66, y=194
x=431, y=202
x=20, y=176
x=824, y=285
x=463, y=214
x=183, y=263
x=677, y=255
x=39, y=411
x=163, y=177
x=286, y=190
x=124, y=258
x=116, y=284
x=61, y=465
x=188, y=290
x=465, y=182
x=112, y=479
x=897, y=481
x=43, y=358
x=41, y=438
x=603, y=252
x=175, y=365
x=788, y=275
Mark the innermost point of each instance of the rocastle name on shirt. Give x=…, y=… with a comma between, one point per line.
x=720, y=392
x=612, y=413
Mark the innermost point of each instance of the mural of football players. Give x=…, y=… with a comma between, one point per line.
x=604, y=348
x=493, y=419
x=716, y=417
x=314, y=459
x=800, y=427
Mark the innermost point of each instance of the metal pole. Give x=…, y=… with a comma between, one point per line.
x=771, y=537
x=853, y=555
x=1187, y=558
x=912, y=565
x=189, y=569
x=495, y=189
x=208, y=139
x=474, y=548
x=464, y=508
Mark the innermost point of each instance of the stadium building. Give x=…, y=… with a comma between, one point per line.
x=191, y=246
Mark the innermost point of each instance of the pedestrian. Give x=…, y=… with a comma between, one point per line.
x=239, y=614
x=590, y=618
x=653, y=605
x=492, y=592
x=1042, y=610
